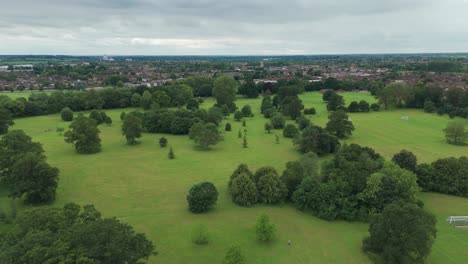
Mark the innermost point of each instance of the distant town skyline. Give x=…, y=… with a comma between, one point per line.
x=208, y=27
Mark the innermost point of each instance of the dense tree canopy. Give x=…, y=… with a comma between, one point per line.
x=205, y=134
x=405, y=159
x=243, y=190
x=84, y=135
x=455, y=133
x=339, y=124
x=317, y=140
x=402, y=233
x=202, y=197
x=6, y=120
x=224, y=91
x=66, y=114
x=397, y=94
x=72, y=235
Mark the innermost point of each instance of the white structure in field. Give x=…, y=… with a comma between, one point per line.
x=458, y=221
x=405, y=118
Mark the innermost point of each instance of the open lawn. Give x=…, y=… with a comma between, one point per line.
x=18, y=94
x=141, y=186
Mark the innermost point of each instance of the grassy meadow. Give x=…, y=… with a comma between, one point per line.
x=141, y=186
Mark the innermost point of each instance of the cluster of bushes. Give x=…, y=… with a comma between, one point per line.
x=315, y=139
x=286, y=102
x=354, y=184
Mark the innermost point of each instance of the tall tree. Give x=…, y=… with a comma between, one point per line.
x=405, y=159
x=6, y=120
x=403, y=233
x=224, y=91
x=131, y=128
x=396, y=94
x=264, y=229
x=249, y=89
x=84, y=135
x=339, y=124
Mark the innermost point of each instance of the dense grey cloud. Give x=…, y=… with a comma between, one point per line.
x=174, y=27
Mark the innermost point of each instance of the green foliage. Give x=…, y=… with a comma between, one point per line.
x=339, y=125
x=268, y=127
x=238, y=116
x=403, y=233
x=239, y=134
x=310, y=111
x=171, y=154
x=375, y=107
x=202, y=197
x=267, y=104
x=335, y=102
x=327, y=95
x=429, y=107
x=205, y=134
x=72, y=235
x=364, y=106
x=32, y=178
x=247, y=111
x=227, y=127
x=192, y=104
x=277, y=139
x=353, y=107
x=396, y=94
x=200, y=235
x=302, y=122
x=292, y=106
x=146, y=100
x=244, y=142
x=455, y=133
x=242, y=168
x=264, y=229
x=317, y=140
x=405, y=159
x=6, y=120
x=234, y=256
x=296, y=171
x=249, y=89
x=243, y=190
x=122, y=116
x=131, y=128
x=244, y=123
x=224, y=91
x=271, y=190
x=290, y=131
x=278, y=121
x=84, y=134
x=162, y=142
x=66, y=114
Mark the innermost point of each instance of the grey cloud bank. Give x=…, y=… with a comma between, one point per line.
x=209, y=27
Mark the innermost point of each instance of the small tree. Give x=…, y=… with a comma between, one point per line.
x=455, y=132
x=238, y=116
x=268, y=127
x=244, y=142
x=227, y=127
x=277, y=139
x=364, y=106
x=375, y=107
x=278, y=121
x=264, y=229
x=163, y=142
x=247, y=111
x=67, y=114
x=405, y=159
x=202, y=197
x=234, y=256
x=131, y=128
x=200, y=235
x=244, y=123
x=122, y=116
x=429, y=107
x=108, y=120
x=239, y=134
x=171, y=154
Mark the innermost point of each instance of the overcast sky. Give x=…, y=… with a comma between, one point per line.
x=241, y=27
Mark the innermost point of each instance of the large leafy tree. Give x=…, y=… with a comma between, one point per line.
x=6, y=120
x=33, y=178
x=205, y=134
x=292, y=106
x=339, y=124
x=335, y=102
x=202, y=197
x=131, y=128
x=72, y=235
x=317, y=140
x=84, y=134
x=12, y=146
x=271, y=189
x=403, y=233
x=249, y=89
x=224, y=91
x=243, y=190
x=455, y=132
x=396, y=94
x=66, y=114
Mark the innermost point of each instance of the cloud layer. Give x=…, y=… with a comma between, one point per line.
x=242, y=27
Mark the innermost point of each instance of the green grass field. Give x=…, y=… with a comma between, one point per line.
x=19, y=94
x=141, y=186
